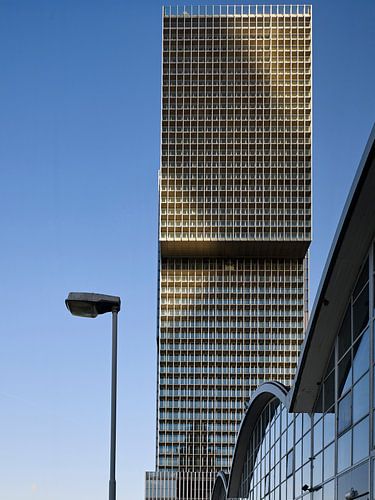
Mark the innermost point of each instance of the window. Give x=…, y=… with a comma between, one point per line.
x=357, y=479
x=344, y=451
x=290, y=463
x=361, y=440
x=361, y=350
x=344, y=417
x=361, y=398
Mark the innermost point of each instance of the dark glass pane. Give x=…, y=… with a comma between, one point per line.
x=361, y=440
x=361, y=355
x=361, y=398
x=344, y=417
x=362, y=280
x=329, y=391
x=360, y=313
x=345, y=338
x=345, y=374
x=344, y=451
x=357, y=478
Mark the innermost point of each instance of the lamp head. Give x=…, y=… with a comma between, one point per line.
x=90, y=305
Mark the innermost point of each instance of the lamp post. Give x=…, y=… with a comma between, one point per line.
x=90, y=305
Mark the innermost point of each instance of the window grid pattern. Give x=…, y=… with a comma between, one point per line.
x=329, y=450
x=235, y=168
x=225, y=327
x=167, y=485
x=236, y=125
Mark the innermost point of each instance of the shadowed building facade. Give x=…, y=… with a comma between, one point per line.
x=234, y=228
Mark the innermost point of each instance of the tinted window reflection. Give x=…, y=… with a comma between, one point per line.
x=329, y=461
x=357, y=479
x=361, y=398
x=360, y=440
x=329, y=491
x=344, y=413
x=344, y=451
x=318, y=436
x=360, y=312
x=361, y=353
x=329, y=428
x=345, y=374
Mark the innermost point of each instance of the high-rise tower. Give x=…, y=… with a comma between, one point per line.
x=234, y=230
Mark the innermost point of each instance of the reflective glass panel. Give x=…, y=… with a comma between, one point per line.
x=361, y=440
x=318, y=436
x=290, y=463
x=329, y=428
x=289, y=488
x=344, y=451
x=306, y=453
x=345, y=374
x=361, y=355
x=317, y=468
x=357, y=478
x=329, y=461
x=318, y=495
x=329, y=491
x=298, y=481
x=298, y=454
x=306, y=474
x=344, y=417
x=361, y=398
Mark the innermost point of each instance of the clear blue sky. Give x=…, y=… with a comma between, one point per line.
x=79, y=152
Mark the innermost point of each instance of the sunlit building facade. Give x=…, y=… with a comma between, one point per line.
x=234, y=230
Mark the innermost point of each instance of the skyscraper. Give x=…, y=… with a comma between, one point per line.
x=234, y=229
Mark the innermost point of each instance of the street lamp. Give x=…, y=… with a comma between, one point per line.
x=90, y=305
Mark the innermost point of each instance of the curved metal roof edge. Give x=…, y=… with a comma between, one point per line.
x=259, y=398
x=220, y=481
x=331, y=259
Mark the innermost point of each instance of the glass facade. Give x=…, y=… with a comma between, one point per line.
x=329, y=453
x=234, y=226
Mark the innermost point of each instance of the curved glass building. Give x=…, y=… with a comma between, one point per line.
x=316, y=440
